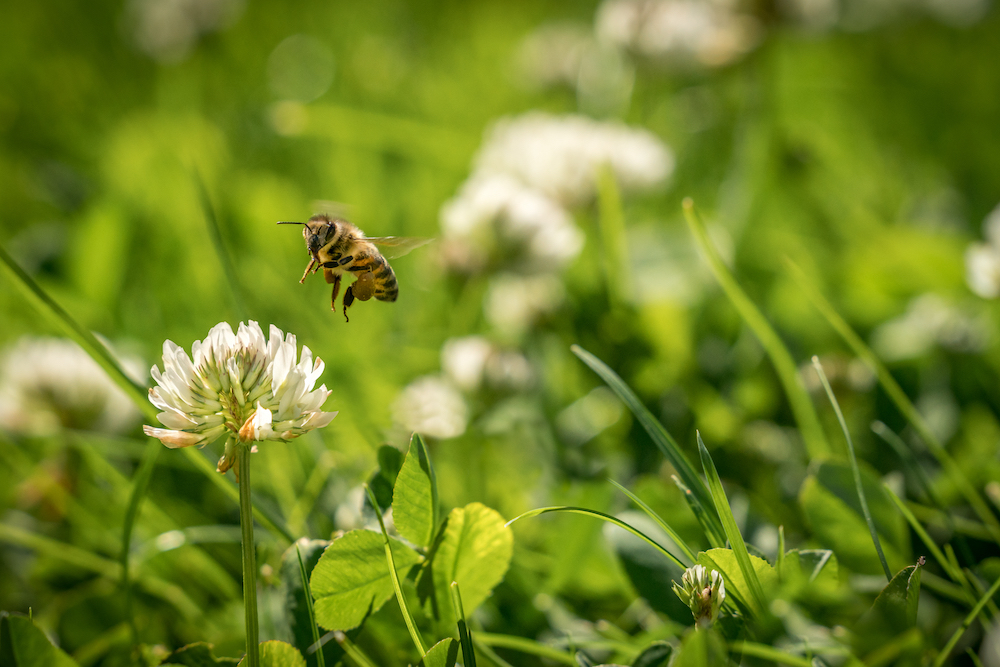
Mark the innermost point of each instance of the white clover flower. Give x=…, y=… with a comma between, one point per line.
x=514, y=302
x=432, y=406
x=471, y=361
x=702, y=591
x=982, y=260
x=678, y=32
x=168, y=29
x=241, y=385
x=496, y=211
x=561, y=156
x=551, y=54
x=48, y=383
x=930, y=320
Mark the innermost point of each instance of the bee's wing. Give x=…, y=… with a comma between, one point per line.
x=397, y=246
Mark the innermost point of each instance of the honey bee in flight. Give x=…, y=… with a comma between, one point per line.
x=338, y=247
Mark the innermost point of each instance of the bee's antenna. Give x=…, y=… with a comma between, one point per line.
x=282, y=222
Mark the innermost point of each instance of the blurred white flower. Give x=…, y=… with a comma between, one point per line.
x=560, y=155
x=515, y=302
x=497, y=212
x=472, y=361
x=48, y=383
x=167, y=29
x=703, y=591
x=930, y=320
x=431, y=406
x=551, y=55
x=678, y=32
x=241, y=385
x=858, y=15
x=982, y=260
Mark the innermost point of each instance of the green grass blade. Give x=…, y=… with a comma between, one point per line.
x=966, y=622
x=603, y=517
x=899, y=399
x=736, y=542
x=491, y=654
x=410, y=624
x=707, y=520
x=854, y=468
x=352, y=651
x=661, y=437
x=768, y=653
x=784, y=364
x=528, y=646
x=678, y=540
x=464, y=635
x=225, y=258
x=316, y=646
x=611, y=222
x=139, y=486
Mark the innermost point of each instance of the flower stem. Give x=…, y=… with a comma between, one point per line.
x=249, y=555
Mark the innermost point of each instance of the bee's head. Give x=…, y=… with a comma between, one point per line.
x=319, y=231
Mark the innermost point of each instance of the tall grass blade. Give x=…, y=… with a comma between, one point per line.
x=677, y=539
x=316, y=646
x=464, y=635
x=661, y=437
x=603, y=517
x=218, y=242
x=899, y=398
x=139, y=485
x=410, y=624
x=798, y=397
x=736, y=542
x=528, y=646
x=966, y=622
x=49, y=308
x=854, y=467
x=611, y=221
x=352, y=650
x=708, y=521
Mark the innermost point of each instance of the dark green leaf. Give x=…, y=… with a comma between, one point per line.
x=198, y=654
x=442, y=654
x=390, y=460
x=656, y=654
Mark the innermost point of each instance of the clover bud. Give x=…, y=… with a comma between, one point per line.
x=703, y=591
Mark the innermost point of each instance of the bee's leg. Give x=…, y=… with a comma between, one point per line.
x=336, y=290
x=309, y=266
x=348, y=300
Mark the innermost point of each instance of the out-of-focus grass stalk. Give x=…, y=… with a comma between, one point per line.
x=768, y=653
x=611, y=221
x=899, y=398
x=139, y=486
x=352, y=651
x=225, y=258
x=490, y=654
x=410, y=624
x=464, y=636
x=528, y=646
x=966, y=622
x=736, y=542
x=105, y=567
x=99, y=646
x=798, y=398
x=855, y=470
x=320, y=659
x=249, y=555
x=310, y=491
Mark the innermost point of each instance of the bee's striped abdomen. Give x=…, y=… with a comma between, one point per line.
x=386, y=287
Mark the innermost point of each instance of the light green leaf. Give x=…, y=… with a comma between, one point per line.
x=352, y=577
x=725, y=561
x=442, y=654
x=475, y=549
x=810, y=566
x=831, y=506
x=278, y=654
x=23, y=644
x=415, y=500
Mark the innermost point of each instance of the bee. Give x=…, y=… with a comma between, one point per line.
x=338, y=247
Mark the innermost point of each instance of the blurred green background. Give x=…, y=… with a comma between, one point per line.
x=866, y=150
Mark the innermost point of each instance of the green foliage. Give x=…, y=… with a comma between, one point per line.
x=831, y=505
x=23, y=644
x=197, y=655
x=279, y=654
x=352, y=579
x=295, y=603
x=701, y=648
x=415, y=498
x=738, y=584
x=656, y=654
x=443, y=654
x=474, y=549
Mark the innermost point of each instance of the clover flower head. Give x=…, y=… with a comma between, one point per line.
x=703, y=591
x=242, y=385
x=433, y=406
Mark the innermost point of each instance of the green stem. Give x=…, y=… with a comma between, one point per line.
x=320, y=658
x=855, y=470
x=946, y=651
x=249, y=555
x=465, y=637
x=410, y=624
